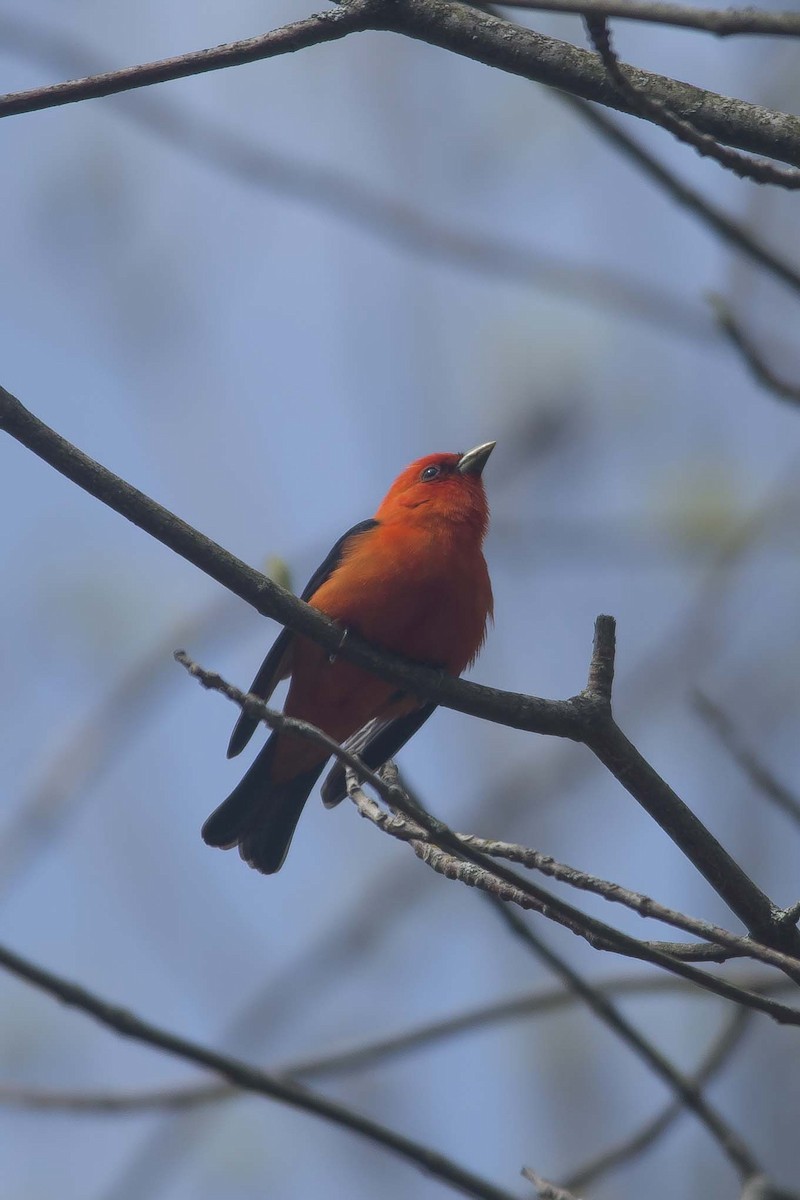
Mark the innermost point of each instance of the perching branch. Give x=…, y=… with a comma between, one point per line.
x=493, y=877
x=584, y=718
x=364, y=1055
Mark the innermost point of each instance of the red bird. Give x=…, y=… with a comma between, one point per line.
x=413, y=580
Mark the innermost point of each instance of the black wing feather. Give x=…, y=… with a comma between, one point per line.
x=377, y=750
x=274, y=667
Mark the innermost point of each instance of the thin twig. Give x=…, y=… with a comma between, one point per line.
x=723, y=22
x=757, y=772
x=364, y=1055
x=681, y=127
x=313, y=30
x=249, y=1078
x=758, y=365
x=639, y=903
x=512, y=888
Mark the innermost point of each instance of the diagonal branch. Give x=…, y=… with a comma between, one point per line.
x=723, y=22
x=585, y=718
x=520, y=51
x=250, y=1079
x=683, y=128
x=321, y=27
x=474, y=34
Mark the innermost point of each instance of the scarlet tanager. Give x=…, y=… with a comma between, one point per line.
x=413, y=580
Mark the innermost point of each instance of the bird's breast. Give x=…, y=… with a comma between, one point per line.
x=427, y=597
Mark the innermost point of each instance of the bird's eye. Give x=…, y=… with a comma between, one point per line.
x=430, y=473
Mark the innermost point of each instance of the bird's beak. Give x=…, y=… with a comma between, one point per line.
x=473, y=462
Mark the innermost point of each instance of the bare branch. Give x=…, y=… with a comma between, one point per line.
x=477, y=35
x=759, y=367
x=580, y=718
x=724, y=22
x=321, y=27
x=250, y=1079
x=645, y=906
x=368, y=210
x=520, y=51
x=512, y=888
x=683, y=128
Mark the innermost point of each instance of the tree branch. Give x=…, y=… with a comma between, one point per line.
x=250, y=1079
x=683, y=128
x=582, y=718
x=321, y=27
x=520, y=51
x=724, y=22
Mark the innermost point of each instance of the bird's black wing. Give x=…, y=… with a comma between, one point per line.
x=375, y=744
x=276, y=666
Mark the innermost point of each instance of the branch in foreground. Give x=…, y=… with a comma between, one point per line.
x=251, y=1079
x=371, y=212
x=759, y=367
x=492, y=876
x=524, y=52
x=585, y=718
x=683, y=128
x=724, y=22
x=477, y=35
x=364, y=1055
x=318, y=28
x=639, y=903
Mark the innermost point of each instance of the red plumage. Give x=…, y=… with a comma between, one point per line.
x=414, y=581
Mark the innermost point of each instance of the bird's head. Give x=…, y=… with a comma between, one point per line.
x=445, y=487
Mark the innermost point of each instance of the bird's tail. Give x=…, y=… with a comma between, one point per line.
x=260, y=816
